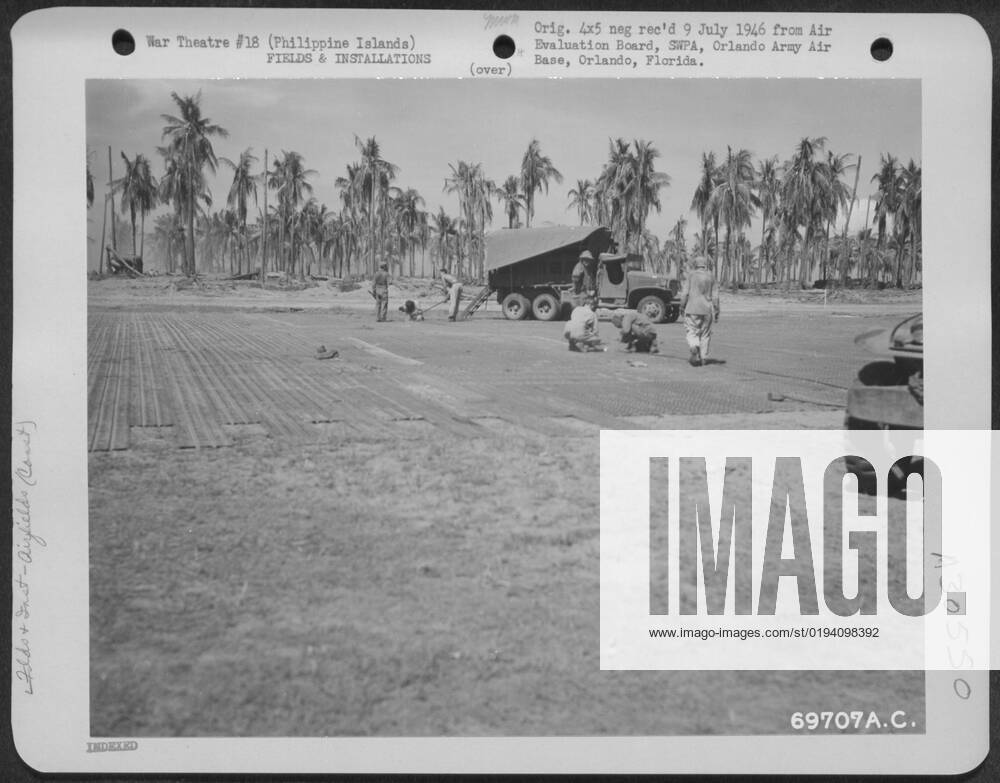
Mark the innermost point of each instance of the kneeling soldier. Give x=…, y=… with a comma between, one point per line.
x=637, y=331
x=581, y=331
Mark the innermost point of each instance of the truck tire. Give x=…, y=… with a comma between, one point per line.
x=515, y=307
x=653, y=307
x=673, y=313
x=546, y=307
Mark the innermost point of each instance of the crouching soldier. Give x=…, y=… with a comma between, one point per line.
x=581, y=330
x=412, y=310
x=636, y=330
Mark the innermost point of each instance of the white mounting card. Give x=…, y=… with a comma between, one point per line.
x=308, y=478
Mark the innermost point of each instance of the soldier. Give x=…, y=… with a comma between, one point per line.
x=581, y=330
x=636, y=330
x=582, y=276
x=700, y=303
x=380, y=290
x=453, y=290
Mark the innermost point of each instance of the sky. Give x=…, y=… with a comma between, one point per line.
x=423, y=125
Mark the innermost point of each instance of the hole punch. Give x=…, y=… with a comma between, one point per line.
x=882, y=49
x=123, y=42
x=503, y=47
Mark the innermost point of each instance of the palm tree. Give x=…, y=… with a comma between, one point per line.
x=887, y=197
x=509, y=194
x=313, y=222
x=613, y=190
x=423, y=238
x=168, y=236
x=703, y=194
x=734, y=201
x=351, y=212
x=838, y=196
x=582, y=198
x=767, y=185
x=536, y=171
x=243, y=188
x=289, y=178
x=646, y=184
x=805, y=189
x=474, y=190
x=191, y=148
x=444, y=229
x=910, y=212
x=406, y=206
x=374, y=176
x=138, y=190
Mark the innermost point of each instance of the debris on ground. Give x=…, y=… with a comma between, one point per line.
x=777, y=397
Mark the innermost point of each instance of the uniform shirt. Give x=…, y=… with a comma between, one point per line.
x=582, y=321
x=635, y=322
x=448, y=280
x=581, y=273
x=381, y=279
x=700, y=295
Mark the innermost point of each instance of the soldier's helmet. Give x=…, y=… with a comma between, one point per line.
x=616, y=318
x=586, y=255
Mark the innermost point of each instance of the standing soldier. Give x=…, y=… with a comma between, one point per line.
x=582, y=276
x=380, y=290
x=700, y=304
x=453, y=290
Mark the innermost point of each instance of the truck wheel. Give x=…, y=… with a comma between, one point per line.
x=654, y=308
x=546, y=307
x=673, y=313
x=515, y=307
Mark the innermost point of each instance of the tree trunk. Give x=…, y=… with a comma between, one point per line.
x=263, y=230
x=826, y=250
x=131, y=212
x=104, y=226
x=844, y=272
x=191, y=263
x=111, y=193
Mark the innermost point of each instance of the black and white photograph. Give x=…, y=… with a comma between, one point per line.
x=351, y=344
x=500, y=392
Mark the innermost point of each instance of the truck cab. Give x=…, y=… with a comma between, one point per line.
x=621, y=282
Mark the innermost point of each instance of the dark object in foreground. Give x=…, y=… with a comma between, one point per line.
x=889, y=395
x=323, y=353
x=413, y=312
x=119, y=264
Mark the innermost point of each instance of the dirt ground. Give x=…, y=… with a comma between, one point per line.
x=331, y=569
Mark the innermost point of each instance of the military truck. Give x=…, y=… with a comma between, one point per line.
x=530, y=272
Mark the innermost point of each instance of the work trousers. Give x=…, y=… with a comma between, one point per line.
x=454, y=298
x=698, y=331
x=381, y=303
